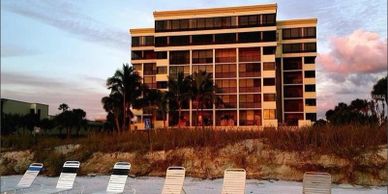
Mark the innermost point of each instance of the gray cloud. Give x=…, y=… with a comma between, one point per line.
x=49, y=90
x=67, y=17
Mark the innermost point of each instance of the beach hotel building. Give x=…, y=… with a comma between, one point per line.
x=265, y=67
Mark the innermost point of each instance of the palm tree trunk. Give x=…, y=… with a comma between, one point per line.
x=197, y=100
x=117, y=124
x=164, y=120
x=124, y=112
x=179, y=114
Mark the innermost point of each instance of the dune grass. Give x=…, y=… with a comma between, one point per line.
x=341, y=140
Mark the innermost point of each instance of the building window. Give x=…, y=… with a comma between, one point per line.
x=309, y=88
x=149, y=55
x=292, y=63
x=136, y=55
x=225, y=38
x=250, y=85
x=269, y=66
x=293, y=77
x=249, y=70
x=269, y=50
x=309, y=74
x=203, y=118
x=160, y=26
x=268, y=20
x=195, y=24
x=311, y=102
x=202, y=56
x=309, y=60
x=250, y=117
x=160, y=41
x=137, y=67
x=184, y=24
x=148, y=41
x=311, y=116
x=309, y=32
x=269, y=36
x=179, y=40
x=161, y=55
x=269, y=97
x=292, y=48
x=269, y=81
x=249, y=37
x=209, y=23
x=225, y=70
x=293, y=105
x=249, y=21
x=249, y=54
x=205, y=68
x=175, y=70
x=149, y=69
x=202, y=39
x=250, y=101
x=292, y=118
x=161, y=85
x=225, y=55
x=293, y=91
x=150, y=81
x=161, y=70
x=228, y=101
x=226, y=118
x=179, y=57
x=227, y=85
x=310, y=47
x=269, y=114
x=135, y=41
x=291, y=33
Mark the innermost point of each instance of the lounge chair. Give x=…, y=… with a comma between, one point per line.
x=118, y=178
x=316, y=183
x=234, y=181
x=66, y=179
x=27, y=179
x=173, y=184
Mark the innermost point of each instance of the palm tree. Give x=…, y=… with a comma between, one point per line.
x=380, y=94
x=156, y=101
x=112, y=104
x=63, y=107
x=203, y=91
x=127, y=82
x=179, y=92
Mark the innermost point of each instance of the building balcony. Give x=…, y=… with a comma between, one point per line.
x=310, y=95
x=309, y=80
x=309, y=109
x=269, y=89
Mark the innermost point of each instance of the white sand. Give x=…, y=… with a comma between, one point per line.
x=151, y=185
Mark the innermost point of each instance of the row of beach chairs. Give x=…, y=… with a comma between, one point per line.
x=234, y=180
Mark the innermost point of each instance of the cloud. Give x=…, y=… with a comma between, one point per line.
x=359, y=52
x=65, y=16
x=53, y=91
x=350, y=68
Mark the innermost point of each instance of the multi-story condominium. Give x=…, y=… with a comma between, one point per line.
x=265, y=67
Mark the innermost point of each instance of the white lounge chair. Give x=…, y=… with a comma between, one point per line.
x=316, y=183
x=66, y=179
x=27, y=179
x=234, y=181
x=118, y=177
x=173, y=184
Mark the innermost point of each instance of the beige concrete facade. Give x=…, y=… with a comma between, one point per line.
x=9, y=106
x=273, y=103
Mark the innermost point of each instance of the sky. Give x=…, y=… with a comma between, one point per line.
x=61, y=51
